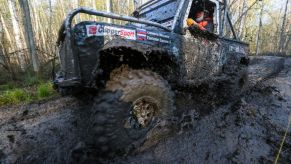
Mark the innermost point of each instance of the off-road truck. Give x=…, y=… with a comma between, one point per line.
x=137, y=66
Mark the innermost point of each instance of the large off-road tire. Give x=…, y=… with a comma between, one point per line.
x=133, y=102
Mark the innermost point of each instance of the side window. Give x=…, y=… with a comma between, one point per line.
x=203, y=15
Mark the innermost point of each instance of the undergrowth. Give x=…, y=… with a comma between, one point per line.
x=45, y=90
x=33, y=91
x=18, y=86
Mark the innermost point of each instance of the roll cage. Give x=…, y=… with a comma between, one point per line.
x=174, y=22
x=220, y=16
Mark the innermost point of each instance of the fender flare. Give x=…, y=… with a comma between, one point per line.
x=160, y=60
x=121, y=43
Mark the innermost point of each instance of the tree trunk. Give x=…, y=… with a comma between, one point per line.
x=260, y=29
x=29, y=34
x=135, y=4
x=4, y=49
x=109, y=8
x=16, y=31
x=287, y=46
x=128, y=6
x=2, y=53
x=240, y=31
x=6, y=31
x=94, y=7
x=51, y=47
x=283, y=28
x=78, y=17
x=36, y=18
x=62, y=7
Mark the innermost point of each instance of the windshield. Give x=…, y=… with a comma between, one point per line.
x=161, y=11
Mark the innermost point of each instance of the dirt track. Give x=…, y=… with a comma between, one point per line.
x=248, y=130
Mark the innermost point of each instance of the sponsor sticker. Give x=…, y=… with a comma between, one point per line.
x=153, y=38
x=92, y=30
x=103, y=30
x=161, y=40
x=141, y=34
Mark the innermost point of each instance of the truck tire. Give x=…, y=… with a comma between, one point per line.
x=133, y=102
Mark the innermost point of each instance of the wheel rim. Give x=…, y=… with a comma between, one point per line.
x=143, y=110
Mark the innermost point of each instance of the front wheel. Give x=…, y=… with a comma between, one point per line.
x=134, y=101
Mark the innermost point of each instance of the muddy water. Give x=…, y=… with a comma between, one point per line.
x=248, y=130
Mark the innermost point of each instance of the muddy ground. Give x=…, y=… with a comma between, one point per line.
x=247, y=130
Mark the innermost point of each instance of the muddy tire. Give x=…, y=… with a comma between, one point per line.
x=133, y=103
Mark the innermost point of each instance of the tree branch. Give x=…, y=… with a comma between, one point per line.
x=245, y=12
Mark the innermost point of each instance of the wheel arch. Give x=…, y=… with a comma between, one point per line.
x=137, y=56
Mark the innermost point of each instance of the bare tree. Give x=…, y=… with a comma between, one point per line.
x=16, y=30
x=242, y=22
x=8, y=37
x=2, y=58
x=62, y=5
x=259, y=30
x=109, y=8
x=135, y=4
x=50, y=25
x=6, y=62
x=283, y=28
x=287, y=46
x=246, y=12
x=29, y=34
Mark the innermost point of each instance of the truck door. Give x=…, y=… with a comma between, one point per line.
x=202, y=49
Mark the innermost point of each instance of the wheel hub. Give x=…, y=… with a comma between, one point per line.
x=143, y=110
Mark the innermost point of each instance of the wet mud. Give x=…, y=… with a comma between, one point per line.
x=248, y=129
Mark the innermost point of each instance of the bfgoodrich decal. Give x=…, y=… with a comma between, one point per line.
x=102, y=30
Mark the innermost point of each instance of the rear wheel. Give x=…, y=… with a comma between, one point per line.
x=133, y=102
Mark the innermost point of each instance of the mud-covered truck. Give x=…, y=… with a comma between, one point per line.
x=137, y=67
